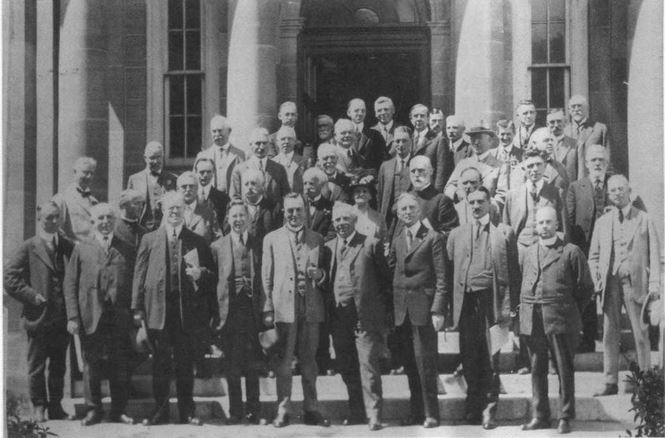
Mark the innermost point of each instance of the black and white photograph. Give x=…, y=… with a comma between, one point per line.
x=333, y=218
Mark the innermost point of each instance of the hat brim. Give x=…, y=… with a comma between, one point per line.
x=481, y=131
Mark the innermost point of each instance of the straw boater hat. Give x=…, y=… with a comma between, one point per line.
x=480, y=128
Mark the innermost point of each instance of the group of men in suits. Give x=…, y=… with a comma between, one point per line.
x=473, y=228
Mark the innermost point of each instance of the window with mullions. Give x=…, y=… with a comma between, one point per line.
x=549, y=61
x=184, y=79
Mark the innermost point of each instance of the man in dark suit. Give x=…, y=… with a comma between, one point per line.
x=371, y=147
x=98, y=294
x=437, y=122
x=486, y=283
x=239, y=296
x=127, y=226
x=556, y=285
x=217, y=200
x=359, y=283
x=291, y=272
x=455, y=132
x=33, y=275
x=276, y=181
x=224, y=155
x=437, y=209
x=384, y=111
x=288, y=117
x=338, y=182
x=175, y=296
x=75, y=202
x=417, y=261
x=153, y=182
x=199, y=216
x=431, y=145
x=565, y=148
x=554, y=172
x=393, y=179
x=526, y=115
x=585, y=131
x=318, y=208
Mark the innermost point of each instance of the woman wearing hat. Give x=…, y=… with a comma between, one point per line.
x=370, y=222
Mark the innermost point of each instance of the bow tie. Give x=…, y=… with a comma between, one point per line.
x=84, y=193
x=156, y=174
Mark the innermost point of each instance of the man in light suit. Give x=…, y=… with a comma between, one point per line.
x=417, y=261
x=199, y=217
x=359, y=284
x=455, y=132
x=217, y=200
x=624, y=259
x=153, y=182
x=292, y=272
x=506, y=151
x=293, y=163
x=585, y=130
x=431, y=145
x=565, y=148
x=338, y=182
x=384, y=111
x=556, y=286
x=98, y=294
x=75, y=202
x=526, y=115
x=393, y=178
x=176, y=299
x=224, y=155
x=470, y=181
x=34, y=276
x=276, y=181
x=239, y=296
x=370, y=147
x=486, y=283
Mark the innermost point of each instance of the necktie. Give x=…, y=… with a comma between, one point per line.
x=242, y=241
x=401, y=164
x=534, y=194
x=621, y=217
x=51, y=244
x=106, y=244
x=261, y=165
x=343, y=246
x=174, y=237
x=409, y=240
x=84, y=193
x=478, y=227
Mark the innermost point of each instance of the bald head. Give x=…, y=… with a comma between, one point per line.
x=546, y=222
x=542, y=140
x=286, y=139
x=288, y=114
x=258, y=142
x=618, y=191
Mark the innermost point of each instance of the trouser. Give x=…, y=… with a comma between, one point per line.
x=589, y=326
x=359, y=353
x=305, y=335
x=419, y=351
x=619, y=292
x=48, y=343
x=480, y=366
x=323, y=360
x=108, y=348
x=562, y=349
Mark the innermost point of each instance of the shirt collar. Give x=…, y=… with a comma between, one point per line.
x=360, y=126
x=254, y=204
x=169, y=230
x=316, y=199
x=583, y=122
x=424, y=188
x=295, y=231
x=484, y=155
x=626, y=210
x=558, y=139
x=349, y=238
x=288, y=157
x=205, y=190
x=236, y=237
x=548, y=242
x=48, y=236
x=484, y=220
x=225, y=147
x=414, y=228
x=458, y=143
x=539, y=185
x=100, y=238
x=387, y=126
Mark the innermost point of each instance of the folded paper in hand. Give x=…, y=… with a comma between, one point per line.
x=498, y=337
x=192, y=260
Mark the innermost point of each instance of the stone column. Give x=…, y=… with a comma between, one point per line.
x=579, y=48
x=291, y=25
x=252, y=74
x=83, y=106
x=479, y=78
x=521, y=48
x=440, y=58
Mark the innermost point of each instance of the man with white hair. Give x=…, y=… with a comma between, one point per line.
x=76, y=200
x=384, y=111
x=346, y=138
x=359, y=282
x=127, y=226
x=565, y=148
x=319, y=208
x=198, y=216
x=624, y=259
x=276, y=180
x=263, y=213
x=585, y=130
x=224, y=155
x=338, y=182
x=293, y=163
x=455, y=132
x=370, y=145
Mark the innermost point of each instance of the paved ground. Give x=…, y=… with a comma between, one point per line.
x=74, y=430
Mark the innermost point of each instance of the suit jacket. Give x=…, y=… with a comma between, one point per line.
x=643, y=250
x=321, y=221
x=237, y=157
x=372, y=225
x=418, y=276
x=218, y=201
x=142, y=183
x=370, y=279
x=204, y=222
x=151, y=282
x=515, y=210
x=371, y=149
x=337, y=188
x=294, y=170
x=505, y=271
x=31, y=271
x=489, y=169
x=462, y=151
x=279, y=270
x=276, y=185
x=515, y=152
x=130, y=232
x=387, y=141
x=222, y=253
x=92, y=276
x=268, y=218
x=567, y=288
x=554, y=173
x=74, y=212
x=438, y=209
x=522, y=141
x=386, y=195
x=565, y=153
x=436, y=148
x=591, y=132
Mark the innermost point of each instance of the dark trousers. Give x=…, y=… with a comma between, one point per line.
x=562, y=348
x=173, y=346
x=358, y=352
x=323, y=360
x=419, y=351
x=479, y=364
x=107, y=349
x=589, y=327
x=47, y=344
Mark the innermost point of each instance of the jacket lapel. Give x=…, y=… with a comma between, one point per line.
x=418, y=239
x=634, y=224
x=354, y=247
x=39, y=247
x=552, y=255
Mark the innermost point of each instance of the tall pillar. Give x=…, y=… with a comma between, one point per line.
x=521, y=50
x=252, y=74
x=440, y=58
x=290, y=27
x=83, y=106
x=579, y=48
x=479, y=78
x=645, y=106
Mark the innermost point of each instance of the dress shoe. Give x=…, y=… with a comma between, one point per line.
x=55, y=412
x=281, y=420
x=610, y=389
x=564, y=426
x=489, y=422
x=39, y=414
x=430, y=423
x=374, y=424
x=397, y=371
x=411, y=421
x=351, y=421
x=121, y=418
x=472, y=419
x=233, y=420
x=253, y=418
x=92, y=417
x=536, y=424
x=314, y=418
x=192, y=421
x=156, y=418
x=523, y=371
